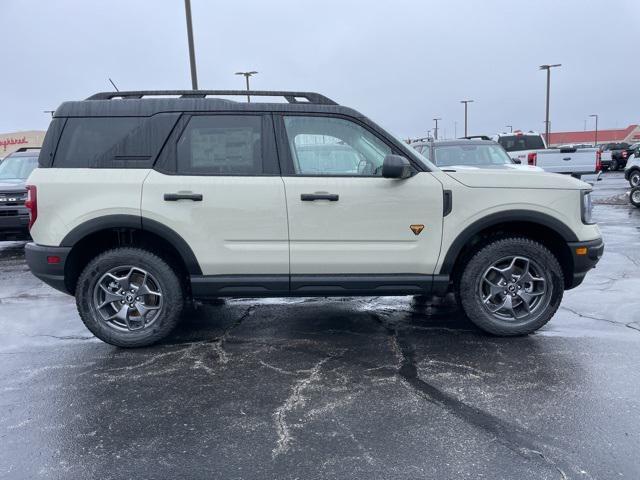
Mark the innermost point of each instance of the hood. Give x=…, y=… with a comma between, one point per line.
x=506, y=166
x=517, y=178
x=16, y=185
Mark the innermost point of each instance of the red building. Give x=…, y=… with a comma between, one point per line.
x=631, y=134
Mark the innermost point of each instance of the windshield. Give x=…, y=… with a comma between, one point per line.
x=471, y=155
x=515, y=143
x=17, y=168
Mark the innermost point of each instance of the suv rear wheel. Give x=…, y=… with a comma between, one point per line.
x=511, y=286
x=129, y=297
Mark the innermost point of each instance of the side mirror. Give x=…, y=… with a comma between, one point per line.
x=396, y=166
x=517, y=160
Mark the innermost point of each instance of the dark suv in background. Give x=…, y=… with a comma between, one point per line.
x=14, y=171
x=619, y=154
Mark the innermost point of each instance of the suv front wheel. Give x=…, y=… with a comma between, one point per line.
x=129, y=297
x=512, y=286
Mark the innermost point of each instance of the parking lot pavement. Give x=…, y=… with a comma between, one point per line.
x=329, y=388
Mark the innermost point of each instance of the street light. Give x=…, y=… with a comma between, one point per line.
x=466, y=104
x=510, y=128
x=435, y=134
x=548, y=69
x=595, y=143
x=246, y=76
x=192, y=53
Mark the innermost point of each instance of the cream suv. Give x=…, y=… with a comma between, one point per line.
x=146, y=200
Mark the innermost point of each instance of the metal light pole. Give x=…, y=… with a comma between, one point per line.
x=435, y=134
x=455, y=130
x=596, y=139
x=192, y=53
x=548, y=69
x=246, y=76
x=510, y=128
x=466, y=104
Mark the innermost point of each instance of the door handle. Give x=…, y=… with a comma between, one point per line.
x=566, y=159
x=174, y=197
x=310, y=197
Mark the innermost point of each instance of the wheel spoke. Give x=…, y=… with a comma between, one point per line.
x=494, y=288
x=144, y=309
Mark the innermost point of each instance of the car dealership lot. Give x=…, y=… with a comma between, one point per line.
x=356, y=387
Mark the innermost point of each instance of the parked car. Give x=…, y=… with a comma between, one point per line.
x=618, y=155
x=15, y=168
x=632, y=169
x=141, y=204
x=530, y=149
x=468, y=154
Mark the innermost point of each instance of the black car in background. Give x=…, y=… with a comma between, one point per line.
x=14, y=171
x=619, y=154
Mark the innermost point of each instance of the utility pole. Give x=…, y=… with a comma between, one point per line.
x=435, y=135
x=192, y=53
x=466, y=104
x=510, y=127
x=246, y=76
x=595, y=142
x=455, y=130
x=547, y=126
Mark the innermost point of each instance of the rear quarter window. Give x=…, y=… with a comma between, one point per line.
x=515, y=143
x=84, y=140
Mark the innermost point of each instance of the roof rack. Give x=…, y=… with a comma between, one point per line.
x=476, y=137
x=26, y=149
x=292, y=97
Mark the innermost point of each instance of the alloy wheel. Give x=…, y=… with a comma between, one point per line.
x=128, y=298
x=635, y=179
x=513, y=288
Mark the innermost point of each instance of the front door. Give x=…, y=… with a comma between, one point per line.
x=345, y=219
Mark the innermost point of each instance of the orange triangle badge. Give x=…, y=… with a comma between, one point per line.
x=416, y=229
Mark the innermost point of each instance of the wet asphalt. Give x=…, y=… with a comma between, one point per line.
x=388, y=388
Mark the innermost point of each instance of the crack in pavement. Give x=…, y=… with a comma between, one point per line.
x=294, y=399
x=630, y=325
x=513, y=437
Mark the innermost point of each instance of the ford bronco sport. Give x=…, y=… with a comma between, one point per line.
x=144, y=200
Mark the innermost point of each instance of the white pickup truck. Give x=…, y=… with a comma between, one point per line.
x=529, y=148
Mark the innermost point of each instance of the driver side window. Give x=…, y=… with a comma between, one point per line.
x=333, y=146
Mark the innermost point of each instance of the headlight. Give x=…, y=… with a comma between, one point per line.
x=587, y=208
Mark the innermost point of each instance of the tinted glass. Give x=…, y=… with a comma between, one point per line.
x=85, y=139
x=470, y=155
x=333, y=146
x=515, y=143
x=221, y=145
x=17, y=168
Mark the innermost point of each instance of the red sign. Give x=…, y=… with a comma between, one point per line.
x=12, y=141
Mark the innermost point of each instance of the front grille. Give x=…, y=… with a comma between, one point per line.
x=8, y=213
x=12, y=198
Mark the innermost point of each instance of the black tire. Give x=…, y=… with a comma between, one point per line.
x=614, y=165
x=634, y=179
x=165, y=279
x=471, y=284
x=634, y=197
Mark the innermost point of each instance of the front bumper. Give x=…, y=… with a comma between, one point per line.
x=38, y=259
x=582, y=263
x=14, y=224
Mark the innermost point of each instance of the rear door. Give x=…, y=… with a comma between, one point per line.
x=345, y=219
x=218, y=186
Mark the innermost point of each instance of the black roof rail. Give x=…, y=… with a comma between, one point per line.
x=291, y=97
x=477, y=137
x=26, y=149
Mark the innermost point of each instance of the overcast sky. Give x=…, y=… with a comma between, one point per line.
x=401, y=63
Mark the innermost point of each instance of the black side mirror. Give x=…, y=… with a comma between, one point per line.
x=517, y=160
x=396, y=166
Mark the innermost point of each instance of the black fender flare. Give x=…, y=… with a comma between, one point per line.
x=138, y=223
x=510, y=216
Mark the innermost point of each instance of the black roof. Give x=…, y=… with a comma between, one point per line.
x=149, y=102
